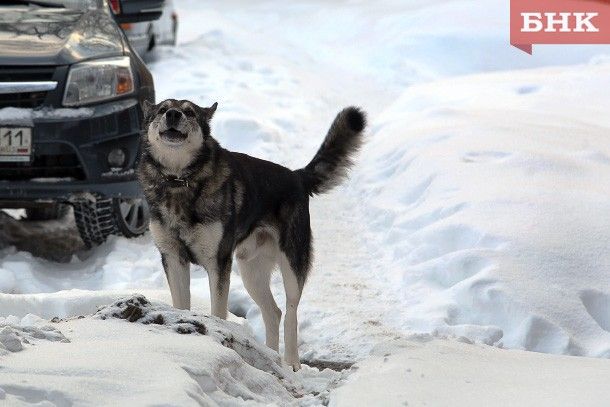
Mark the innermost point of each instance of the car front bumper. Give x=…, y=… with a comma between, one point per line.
x=69, y=153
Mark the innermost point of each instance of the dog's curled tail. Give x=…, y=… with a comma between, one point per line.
x=331, y=164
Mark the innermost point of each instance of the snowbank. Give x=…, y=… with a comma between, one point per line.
x=492, y=190
x=118, y=355
x=16, y=332
x=421, y=371
x=391, y=43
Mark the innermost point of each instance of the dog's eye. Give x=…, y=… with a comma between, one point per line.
x=189, y=112
x=162, y=110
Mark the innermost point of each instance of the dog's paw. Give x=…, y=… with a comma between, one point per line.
x=295, y=365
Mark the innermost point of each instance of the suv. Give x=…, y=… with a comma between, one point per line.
x=71, y=95
x=145, y=37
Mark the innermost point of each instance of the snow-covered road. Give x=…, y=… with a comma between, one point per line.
x=476, y=209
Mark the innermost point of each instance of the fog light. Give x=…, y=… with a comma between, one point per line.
x=116, y=158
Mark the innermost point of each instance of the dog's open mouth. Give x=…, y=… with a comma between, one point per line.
x=173, y=136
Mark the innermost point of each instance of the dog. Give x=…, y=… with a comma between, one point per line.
x=209, y=204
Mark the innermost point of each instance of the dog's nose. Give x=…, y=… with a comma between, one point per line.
x=172, y=117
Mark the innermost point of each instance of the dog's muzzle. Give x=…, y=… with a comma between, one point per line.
x=172, y=118
x=172, y=135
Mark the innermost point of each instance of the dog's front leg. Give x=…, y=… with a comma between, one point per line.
x=178, y=275
x=219, y=276
x=214, y=252
x=177, y=268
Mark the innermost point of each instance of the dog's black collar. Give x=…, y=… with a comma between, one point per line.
x=175, y=182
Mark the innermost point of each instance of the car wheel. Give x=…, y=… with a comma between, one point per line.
x=98, y=220
x=132, y=216
x=51, y=212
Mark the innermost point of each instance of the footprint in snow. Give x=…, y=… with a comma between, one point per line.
x=527, y=89
x=484, y=156
x=597, y=304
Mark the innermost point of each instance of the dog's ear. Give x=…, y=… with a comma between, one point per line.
x=147, y=108
x=209, y=111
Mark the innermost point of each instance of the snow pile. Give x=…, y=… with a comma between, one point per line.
x=15, y=332
x=421, y=370
x=492, y=190
x=139, y=309
x=119, y=353
x=74, y=303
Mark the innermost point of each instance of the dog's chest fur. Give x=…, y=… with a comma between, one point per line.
x=180, y=209
x=198, y=214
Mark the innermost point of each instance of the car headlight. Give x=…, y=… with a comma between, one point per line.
x=98, y=80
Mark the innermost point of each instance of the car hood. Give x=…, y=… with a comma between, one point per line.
x=55, y=36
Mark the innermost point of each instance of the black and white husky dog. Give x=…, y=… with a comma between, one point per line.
x=208, y=203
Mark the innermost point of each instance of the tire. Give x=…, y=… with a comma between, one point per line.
x=131, y=216
x=95, y=221
x=98, y=220
x=51, y=212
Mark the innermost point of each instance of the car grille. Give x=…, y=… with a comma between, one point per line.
x=27, y=99
x=49, y=166
x=21, y=73
x=24, y=74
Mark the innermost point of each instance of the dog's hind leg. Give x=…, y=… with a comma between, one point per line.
x=176, y=265
x=293, y=295
x=295, y=261
x=256, y=274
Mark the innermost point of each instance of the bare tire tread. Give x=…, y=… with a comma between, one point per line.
x=95, y=221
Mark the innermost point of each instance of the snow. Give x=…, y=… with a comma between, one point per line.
x=16, y=332
x=494, y=202
x=476, y=216
x=422, y=370
x=122, y=350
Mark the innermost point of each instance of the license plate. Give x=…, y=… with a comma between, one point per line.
x=15, y=144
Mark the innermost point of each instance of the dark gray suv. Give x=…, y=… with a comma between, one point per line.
x=71, y=91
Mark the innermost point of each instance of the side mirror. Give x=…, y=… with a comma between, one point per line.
x=135, y=11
